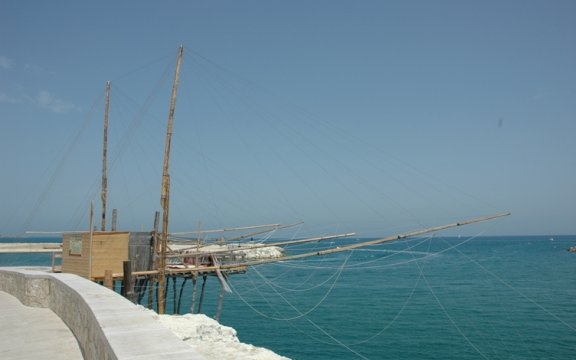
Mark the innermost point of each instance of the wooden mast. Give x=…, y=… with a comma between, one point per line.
x=165, y=195
x=91, y=238
x=104, y=156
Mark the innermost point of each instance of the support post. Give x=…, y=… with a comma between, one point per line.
x=128, y=288
x=114, y=219
x=204, y=278
x=155, y=254
x=194, y=290
x=108, y=279
x=174, y=286
x=151, y=282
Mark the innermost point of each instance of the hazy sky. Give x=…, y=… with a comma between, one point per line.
x=367, y=116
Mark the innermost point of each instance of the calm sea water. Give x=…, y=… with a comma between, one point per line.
x=433, y=298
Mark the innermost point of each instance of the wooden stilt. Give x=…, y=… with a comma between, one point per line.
x=154, y=253
x=194, y=290
x=150, y=290
x=128, y=288
x=174, y=278
x=108, y=279
x=185, y=279
x=165, y=294
x=204, y=278
x=142, y=285
x=156, y=291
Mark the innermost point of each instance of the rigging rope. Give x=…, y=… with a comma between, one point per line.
x=505, y=283
x=300, y=314
x=57, y=170
x=443, y=308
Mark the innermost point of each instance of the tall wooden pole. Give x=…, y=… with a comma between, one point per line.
x=90, y=240
x=113, y=226
x=104, y=155
x=165, y=195
x=154, y=259
x=194, y=289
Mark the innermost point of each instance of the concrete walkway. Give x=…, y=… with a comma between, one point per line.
x=33, y=333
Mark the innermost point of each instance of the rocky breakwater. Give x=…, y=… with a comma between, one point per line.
x=212, y=339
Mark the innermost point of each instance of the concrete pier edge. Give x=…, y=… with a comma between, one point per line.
x=106, y=325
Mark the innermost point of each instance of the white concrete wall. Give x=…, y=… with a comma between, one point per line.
x=106, y=325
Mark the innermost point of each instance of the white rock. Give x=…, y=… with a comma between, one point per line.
x=212, y=339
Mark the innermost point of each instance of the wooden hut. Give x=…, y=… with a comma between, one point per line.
x=90, y=254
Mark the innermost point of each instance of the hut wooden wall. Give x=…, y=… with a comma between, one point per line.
x=141, y=251
x=109, y=250
x=74, y=261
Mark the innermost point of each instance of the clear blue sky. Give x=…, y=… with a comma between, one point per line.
x=367, y=116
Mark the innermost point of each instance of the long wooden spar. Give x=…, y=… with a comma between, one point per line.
x=201, y=232
x=365, y=243
x=194, y=242
x=260, y=246
x=244, y=264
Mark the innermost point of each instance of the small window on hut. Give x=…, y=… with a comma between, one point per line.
x=75, y=245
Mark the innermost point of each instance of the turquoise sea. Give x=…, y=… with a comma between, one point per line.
x=425, y=298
